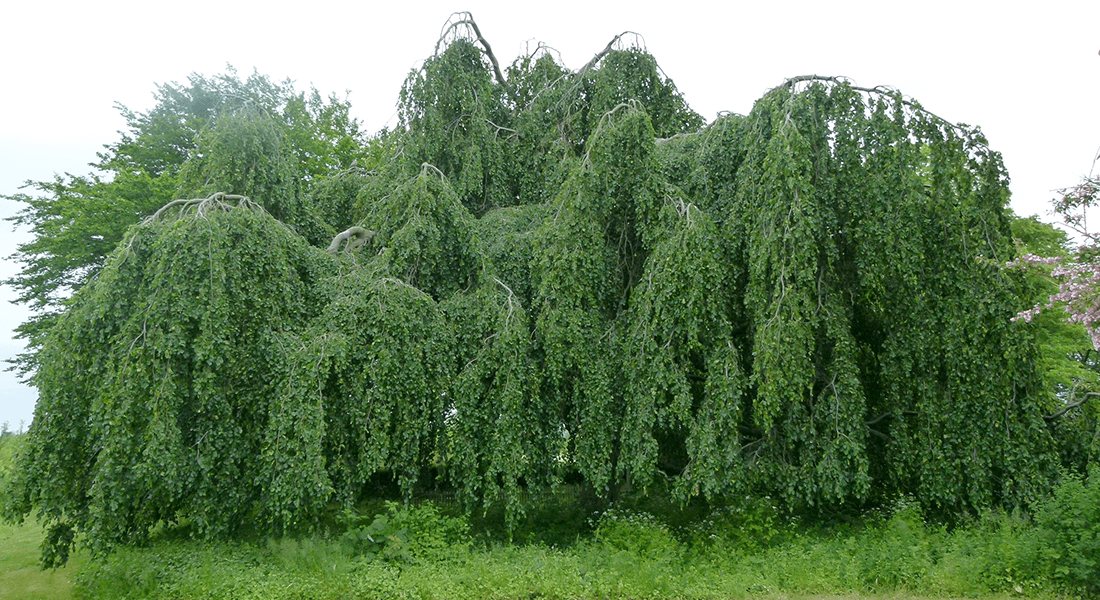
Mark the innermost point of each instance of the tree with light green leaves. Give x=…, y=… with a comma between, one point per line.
x=547, y=275
x=267, y=140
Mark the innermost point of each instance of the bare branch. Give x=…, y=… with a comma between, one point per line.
x=878, y=418
x=878, y=434
x=602, y=53
x=215, y=197
x=1070, y=405
x=354, y=238
x=906, y=413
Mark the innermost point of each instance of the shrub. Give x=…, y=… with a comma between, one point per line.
x=897, y=554
x=637, y=533
x=406, y=533
x=1069, y=533
x=744, y=526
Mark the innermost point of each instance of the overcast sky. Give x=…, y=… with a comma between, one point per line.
x=1027, y=76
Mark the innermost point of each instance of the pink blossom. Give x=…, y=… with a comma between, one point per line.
x=1079, y=287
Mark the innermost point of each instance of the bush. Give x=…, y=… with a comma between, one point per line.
x=637, y=533
x=744, y=526
x=1068, y=526
x=899, y=553
x=995, y=552
x=406, y=533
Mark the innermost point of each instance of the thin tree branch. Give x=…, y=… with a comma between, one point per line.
x=878, y=434
x=878, y=89
x=1072, y=405
x=602, y=53
x=878, y=418
x=468, y=20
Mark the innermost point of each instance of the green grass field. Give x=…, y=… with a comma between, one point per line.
x=20, y=576
x=629, y=555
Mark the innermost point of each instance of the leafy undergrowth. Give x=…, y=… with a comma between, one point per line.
x=646, y=547
x=747, y=550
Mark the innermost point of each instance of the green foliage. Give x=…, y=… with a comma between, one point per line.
x=160, y=381
x=569, y=281
x=1069, y=533
x=406, y=533
x=1067, y=359
x=456, y=122
x=380, y=538
x=275, y=143
x=632, y=555
x=743, y=526
x=374, y=368
x=245, y=153
x=426, y=233
x=633, y=74
x=637, y=533
x=10, y=445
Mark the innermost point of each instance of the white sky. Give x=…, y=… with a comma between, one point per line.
x=1026, y=72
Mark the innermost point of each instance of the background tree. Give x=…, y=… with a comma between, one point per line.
x=77, y=220
x=1064, y=317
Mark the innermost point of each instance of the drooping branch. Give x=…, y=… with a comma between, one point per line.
x=588, y=66
x=878, y=89
x=468, y=19
x=875, y=420
x=602, y=53
x=906, y=413
x=350, y=239
x=215, y=197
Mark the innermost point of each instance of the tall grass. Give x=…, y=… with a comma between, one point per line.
x=739, y=551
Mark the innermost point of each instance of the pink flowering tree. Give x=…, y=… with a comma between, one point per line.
x=1068, y=280
x=1079, y=280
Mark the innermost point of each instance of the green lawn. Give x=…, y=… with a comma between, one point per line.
x=20, y=576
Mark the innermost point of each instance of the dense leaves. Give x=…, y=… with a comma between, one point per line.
x=217, y=134
x=565, y=276
x=156, y=386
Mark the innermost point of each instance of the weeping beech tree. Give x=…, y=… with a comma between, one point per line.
x=557, y=275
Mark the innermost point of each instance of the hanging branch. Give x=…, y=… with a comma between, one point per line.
x=588, y=66
x=468, y=20
x=354, y=236
x=1070, y=404
x=878, y=89
x=606, y=50
x=215, y=197
x=602, y=53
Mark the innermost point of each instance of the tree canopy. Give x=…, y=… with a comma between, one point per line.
x=250, y=136
x=560, y=275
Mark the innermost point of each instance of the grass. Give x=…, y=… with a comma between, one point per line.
x=747, y=548
x=20, y=576
x=628, y=555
